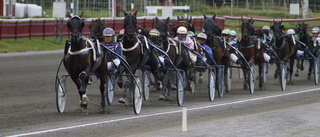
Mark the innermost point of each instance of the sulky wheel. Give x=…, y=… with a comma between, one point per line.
x=110, y=88
x=283, y=76
x=137, y=96
x=145, y=84
x=251, y=79
x=211, y=85
x=60, y=87
x=180, y=89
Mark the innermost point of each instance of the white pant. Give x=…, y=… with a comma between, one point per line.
x=300, y=52
x=266, y=57
x=116, y=62
x=233, y=57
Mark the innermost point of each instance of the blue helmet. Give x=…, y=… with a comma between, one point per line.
x=108, y=32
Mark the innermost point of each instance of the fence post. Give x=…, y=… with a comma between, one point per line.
x=30, y=25
x=43, y=29
x=16, y=30
x=0, y=29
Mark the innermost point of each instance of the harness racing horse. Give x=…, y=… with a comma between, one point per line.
x=96, y=28
x=284, y=47
x=81, y=60
x=135, y=49
x=177, y=53
x=185, y=22
x=305, y=38
x=219, y=50
x=252, y=52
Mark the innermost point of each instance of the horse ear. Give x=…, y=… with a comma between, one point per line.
x=125, y=13
x=135, y=13
x=81, y=14
x=157, y=19
x=283, y=28
x=178, y=18
x=69, y=15
x=167, y=20
x=271, y=27
x=204, y=16
x=241, y=18
x=190, y=19
x=214, y=16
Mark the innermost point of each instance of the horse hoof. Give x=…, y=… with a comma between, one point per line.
x=302, y=68
x=297, y=74
x=120, y=84
x=161, y=97
x=122, y=100
x=200, y=80
x=173, y=87
x=309, y=76
x=85, y=112
x=275, y=76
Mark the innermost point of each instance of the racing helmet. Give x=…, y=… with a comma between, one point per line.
x=315, y=30
x=291, y=32
x=121, y=32
x=233, y=33
x=266, y=27
x=202, y=35
x=109, y=32
x=182, y=30
x=226, y=32
x=190, y=34
x=154, y=33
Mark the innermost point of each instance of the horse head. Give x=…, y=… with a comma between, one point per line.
x=277, y=29
x=75, y=25
x=162, y=27
x=209, y=28
x=302, y=29
x=130, y=24
x=247, y=28
x=96, y=28
x=142, y=30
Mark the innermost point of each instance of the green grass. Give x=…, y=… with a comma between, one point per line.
x=35, y=44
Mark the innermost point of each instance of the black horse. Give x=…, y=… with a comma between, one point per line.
x=285, y=49
x=305, y=38
x=80, y=61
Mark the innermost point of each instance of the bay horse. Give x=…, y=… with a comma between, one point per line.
x=96, y=28
x=178, y=55
x=220, y=52
x=251, y=51
x=305, y=38
x=80, y=61
x=135, y=49
x=185, y=22
x=284, y=47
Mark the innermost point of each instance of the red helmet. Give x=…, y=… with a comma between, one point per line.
x=121, y=32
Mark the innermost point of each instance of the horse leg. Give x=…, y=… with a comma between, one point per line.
x=276, y=72
x=102, y=89
x=200, y=80
x=83, y=77
x=260, y=74
x=127, y=86
x=310, y=68
x=245, y=80
x=298, y=67
x=165, y=86
x=291, y=69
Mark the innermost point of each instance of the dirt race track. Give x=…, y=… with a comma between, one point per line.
x=28, y=107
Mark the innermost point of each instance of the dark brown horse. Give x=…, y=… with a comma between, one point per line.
x=252, y=52
x=284, y=47
x=185, y=22
x=96, y=28
x=220, y=52
x=135, y=49
x=81, y=61
x=176, y=51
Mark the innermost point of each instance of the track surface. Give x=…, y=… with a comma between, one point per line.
x=28, y=107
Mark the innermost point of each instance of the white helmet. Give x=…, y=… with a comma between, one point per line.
x=266, y=27
x=202, y=35
x=182, y=30
x=233, y=33
x=315, y=30
x=290, y=32
x=226, y=32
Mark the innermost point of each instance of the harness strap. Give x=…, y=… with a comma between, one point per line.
x=172, y=43
x=132, y=48
x=246, y=47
